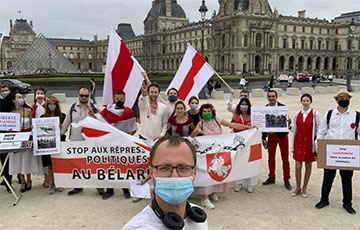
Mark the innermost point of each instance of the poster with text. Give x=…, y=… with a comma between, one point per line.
x=270, y=118
x=46, y=135
x=9, y=121
x=343, y=156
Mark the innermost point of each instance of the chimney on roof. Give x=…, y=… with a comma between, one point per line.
x=31, y=24
x=11, y=25
x=95, y=38
x=168, y=8
x=301, y=13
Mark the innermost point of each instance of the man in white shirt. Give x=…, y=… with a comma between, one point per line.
x=340, y=123
x=173, y=170
x=229, y=104
x=153, y=114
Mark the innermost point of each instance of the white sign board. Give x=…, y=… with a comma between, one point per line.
x=46, y=136
x=270, y=118
x=9, y=121
x=343, y=156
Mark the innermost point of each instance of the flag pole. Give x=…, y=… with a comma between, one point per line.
x=227, y=85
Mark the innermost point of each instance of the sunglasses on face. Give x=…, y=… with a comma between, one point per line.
x=84, y=95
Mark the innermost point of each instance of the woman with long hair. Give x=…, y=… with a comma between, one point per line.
x=306, y=122
x=193, y=112
x=180, y=123
x=210, y=124
x=23, y=163
x=242, y=116
x=52, y=109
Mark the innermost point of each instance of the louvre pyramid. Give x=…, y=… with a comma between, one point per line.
x=42, y=57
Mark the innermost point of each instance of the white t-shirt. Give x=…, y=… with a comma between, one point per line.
x=147, y=220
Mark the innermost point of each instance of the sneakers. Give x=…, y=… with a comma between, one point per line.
x=214, y=197
x=52, y=189
x=60, y=189
x=207, y=204
x=249, y=189
x=238, y=188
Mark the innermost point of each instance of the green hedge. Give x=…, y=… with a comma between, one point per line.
x=79, y=78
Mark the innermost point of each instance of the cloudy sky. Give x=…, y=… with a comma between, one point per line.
x=84, y=18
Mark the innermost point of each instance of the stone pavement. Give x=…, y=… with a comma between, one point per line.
x=269, y=207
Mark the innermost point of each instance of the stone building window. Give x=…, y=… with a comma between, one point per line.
x=349, y=44
x=311, y=44
x=90, y=65
x=64, y=54
x=258, y=8
x=302, y=44
x=336, y=44
x=271, y=42
x=337, y=31
x=78, y=56
x=319, y=45
x=245, y=40
x=225, y=10
x=71, y=55
x=303, y=29
x=312, y=30
x=320, y=30
x=223, y=42
x=258, y=40
x=285, y=27
x=233, y=41
x=294, y=29
x=90, y=56
x=284, y=43
x=327, y=45
x=294, y=43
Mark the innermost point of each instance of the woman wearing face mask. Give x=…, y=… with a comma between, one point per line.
x=38, y=111
x=172, y=99
x=193, y=112
x=242, y=116
x=211, y=125
x=306, y=122
x=180, y=124
x=39, y=102
x=23, y=163
x=52, y=110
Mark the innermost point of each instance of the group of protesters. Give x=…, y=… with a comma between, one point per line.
x=153, y=117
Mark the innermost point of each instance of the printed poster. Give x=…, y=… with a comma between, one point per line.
x=46, y=136
x=9, y=121
x=270, y=118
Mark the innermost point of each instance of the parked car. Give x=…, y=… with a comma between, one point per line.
x=16, y=84
x=303, y=77
x=283, y=77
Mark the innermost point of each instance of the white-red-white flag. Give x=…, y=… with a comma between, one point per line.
x=192, y=75
x=123, y=72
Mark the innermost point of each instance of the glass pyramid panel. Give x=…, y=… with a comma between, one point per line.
x=42, y=57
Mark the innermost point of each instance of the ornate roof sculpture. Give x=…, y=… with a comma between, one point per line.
x=42, y=57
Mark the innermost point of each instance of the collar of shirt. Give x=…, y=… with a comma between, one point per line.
x=305, y=112
x=338, y=113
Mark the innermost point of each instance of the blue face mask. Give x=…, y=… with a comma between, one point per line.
x=174, y=190
x=4, y=94
x=172, y=98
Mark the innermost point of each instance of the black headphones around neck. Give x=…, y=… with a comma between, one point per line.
x=173, y=221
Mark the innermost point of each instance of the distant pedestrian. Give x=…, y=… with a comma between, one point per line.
x=243, y=82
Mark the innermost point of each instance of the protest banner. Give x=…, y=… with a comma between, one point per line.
x=339, y=154
x=9, y=121
x=113, y=159
x=46, y=136
x=270, y=118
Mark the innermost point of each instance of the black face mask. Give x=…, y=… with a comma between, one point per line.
x=120, y=104
x=344, y=103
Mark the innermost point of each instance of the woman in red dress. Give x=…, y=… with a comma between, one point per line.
x=306, y=122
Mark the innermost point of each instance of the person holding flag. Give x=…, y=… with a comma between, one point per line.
x=123, y=119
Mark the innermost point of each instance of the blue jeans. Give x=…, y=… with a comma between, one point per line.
x=92, y=96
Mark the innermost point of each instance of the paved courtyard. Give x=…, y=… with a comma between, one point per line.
x=269, y=207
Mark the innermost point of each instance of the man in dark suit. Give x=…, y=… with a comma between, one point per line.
x=272, y=140
x=5, y=106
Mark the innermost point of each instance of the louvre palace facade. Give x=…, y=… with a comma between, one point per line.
x=242, y=36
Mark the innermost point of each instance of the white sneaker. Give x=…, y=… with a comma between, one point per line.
x=238, y=188
x=214, y=197
x=249, y=189
x=207, y=204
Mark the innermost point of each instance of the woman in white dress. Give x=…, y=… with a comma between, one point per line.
x=23, y=163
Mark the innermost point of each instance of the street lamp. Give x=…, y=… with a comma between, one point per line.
x=203, y=9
